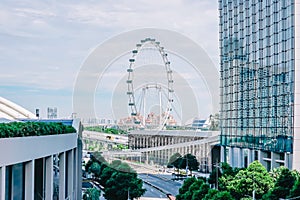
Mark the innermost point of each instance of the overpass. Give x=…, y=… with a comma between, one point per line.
x=105, y=137
x=153, y=148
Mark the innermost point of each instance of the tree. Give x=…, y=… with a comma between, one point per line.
x=218, y=195
x=120, y=184
x=211, y=193
x=284, y=183
x=193, y=189
x=222, y=195
x=185, y=187
x=174, y=160
x=225, y=173
x=105, y=175
x=190, y=161
x=255, y=177
x=91, y=194
x=214, y=122
x=119, y=179
x=96, y=164
x=95, y=168
x=201, y=192
x=295, y=192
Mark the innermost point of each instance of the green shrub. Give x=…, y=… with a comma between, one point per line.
x=23, y=129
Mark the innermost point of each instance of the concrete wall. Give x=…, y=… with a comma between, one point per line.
x=36, y=154
x=22, y=149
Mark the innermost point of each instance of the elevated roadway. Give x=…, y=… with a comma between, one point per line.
x=137, y=152
x=105, y=137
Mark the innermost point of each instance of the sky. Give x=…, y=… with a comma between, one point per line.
x=45, y=43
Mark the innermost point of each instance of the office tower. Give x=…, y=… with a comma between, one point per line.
x=259, y=83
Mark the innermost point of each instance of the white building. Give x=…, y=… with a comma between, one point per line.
x=39, y=167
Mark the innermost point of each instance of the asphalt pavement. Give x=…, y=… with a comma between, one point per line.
x=152, y=192
x=165, y=184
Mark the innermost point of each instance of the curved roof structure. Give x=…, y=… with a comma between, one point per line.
x=12, y=111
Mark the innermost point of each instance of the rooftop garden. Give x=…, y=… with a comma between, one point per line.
x=24, y=129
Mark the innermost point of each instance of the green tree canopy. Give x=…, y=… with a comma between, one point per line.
x=218, y=195
x=95, y=168
x=201, y=192
x=193, y=189
x=225, y=173
x=185, y=187
x=174, y=160
x=117, y=179
x=255, y=177
x=190, y=161
x=295, y=192
x=284, y=183
x=120, y=184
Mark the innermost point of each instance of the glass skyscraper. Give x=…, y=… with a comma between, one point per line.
x=258, y=86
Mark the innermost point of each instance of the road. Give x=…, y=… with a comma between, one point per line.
x=168, y=186
x=118, y=139
x=152, y=192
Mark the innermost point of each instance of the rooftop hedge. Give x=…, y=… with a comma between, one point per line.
x=23, y=129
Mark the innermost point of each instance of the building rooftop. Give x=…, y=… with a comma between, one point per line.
x=12, y=111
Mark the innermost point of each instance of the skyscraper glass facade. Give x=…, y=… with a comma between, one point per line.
x=257, y=74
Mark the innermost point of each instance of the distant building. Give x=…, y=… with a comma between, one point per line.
x=260, y=95
x=51, y=113
x=201, y=123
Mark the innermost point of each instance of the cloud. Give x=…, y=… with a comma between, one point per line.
x=44, y=43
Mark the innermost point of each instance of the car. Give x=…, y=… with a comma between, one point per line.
x=86, y=185
x=89, y=184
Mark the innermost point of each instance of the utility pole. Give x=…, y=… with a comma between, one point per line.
x=217, y=178
x=187, y=165
x=128, y=197
x=217, y=175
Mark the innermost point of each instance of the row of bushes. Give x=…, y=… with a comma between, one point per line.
x=23, y=129
x=103, y=129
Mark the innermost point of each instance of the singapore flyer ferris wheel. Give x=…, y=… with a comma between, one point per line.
x=138, y=112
